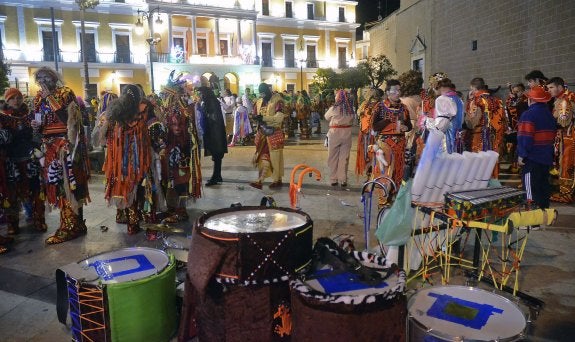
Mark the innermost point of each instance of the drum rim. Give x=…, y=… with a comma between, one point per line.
x=447, y=337
x=140, y=248
x=200, y=221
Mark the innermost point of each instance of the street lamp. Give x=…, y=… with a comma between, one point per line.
x=152, y=42
x=84, y=5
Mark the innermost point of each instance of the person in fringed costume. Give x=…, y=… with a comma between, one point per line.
x=101, y=128
x=366, y=136
x=65, y=165
x=135, y=132
x=391, y=121
x=181, y=169
x=269, y=140
x=289, y=124
x=303, y=114
x=209, y=114
x=242, y=125
x=340, y=117
x=564, y=114
x=515, y=105
x=22, y=167
x=449, y=115
x=411, y=86
x=484, y=120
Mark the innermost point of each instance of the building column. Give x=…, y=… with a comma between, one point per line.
x=194, y=36
x=217, y=36
x=353, y=49
x=170, y=35
x=327, y=52
x=239, y=33
x=255, y=43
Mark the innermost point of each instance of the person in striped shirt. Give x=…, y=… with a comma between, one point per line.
x=535, y=146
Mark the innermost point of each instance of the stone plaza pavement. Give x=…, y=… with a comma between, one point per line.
x=27, y=282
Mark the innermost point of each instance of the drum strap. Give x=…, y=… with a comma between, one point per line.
x=61, y=296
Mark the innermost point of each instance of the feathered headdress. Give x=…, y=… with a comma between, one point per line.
x=174, y=85
x=435, y=78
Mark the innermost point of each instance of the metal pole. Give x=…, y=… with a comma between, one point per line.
x=151, y=43
x=84, y=57
x=301, y=74
x=54, y=40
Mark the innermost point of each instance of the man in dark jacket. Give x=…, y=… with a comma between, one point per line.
x=215, y=143
x=535, y=139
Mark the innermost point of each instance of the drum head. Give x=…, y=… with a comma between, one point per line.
x=255, y=221
x=466, y=313
x=125, y=264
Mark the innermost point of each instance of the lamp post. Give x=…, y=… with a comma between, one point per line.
x=84, y=5
x=152, y=42
x=301, y=60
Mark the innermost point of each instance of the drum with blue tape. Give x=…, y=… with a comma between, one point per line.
x=459, y=313
x=123, y=295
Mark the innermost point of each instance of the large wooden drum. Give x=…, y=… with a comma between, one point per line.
x=337, y=306
x=124, y=295
x=239, y=264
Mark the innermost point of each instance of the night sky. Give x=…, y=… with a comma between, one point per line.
x=367, y=11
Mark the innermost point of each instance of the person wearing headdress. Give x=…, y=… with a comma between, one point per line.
x=449, y=115
x=303, y=110
x=315, y=116
x=564, y=114
x=412, y=83
x=100, y=131
x=211, y=123
x=484, y=120
x=269, y=139
x=366, y=136
x=289, y=124
x=65, y=166
x=181, y=162
x=391, y=122
x=242, y=125
x=23, y=181
x=535, y=138
x=129, y=158
x=340, y=117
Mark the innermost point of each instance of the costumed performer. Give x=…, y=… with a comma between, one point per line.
x=448, y=116
x=411, y=86
x=269, y=140
x=484, y=120
x=340, y=117
x=515, y=105
x=22, y=166
x=366, y=136
x=65, y=165
x=101, y=131
x=135, y=130
x=391, y=122
x=303, y=114
x=564, y=114
x=181, y=157
x=242, y=125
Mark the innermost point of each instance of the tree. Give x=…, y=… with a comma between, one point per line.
x=377, y=69
x=4, y=72
x=323, y=81
x=327, y=80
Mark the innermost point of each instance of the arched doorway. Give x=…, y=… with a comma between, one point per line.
x=209, y=79
x=231, y=82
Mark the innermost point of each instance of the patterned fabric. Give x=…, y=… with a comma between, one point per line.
x=564, y=113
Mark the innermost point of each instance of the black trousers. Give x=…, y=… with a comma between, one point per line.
x=535, y=178
x=217, y=171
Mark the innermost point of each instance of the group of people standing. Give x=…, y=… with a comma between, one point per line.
x=534, y=129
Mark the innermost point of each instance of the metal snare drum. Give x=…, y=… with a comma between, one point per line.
x=459, y=313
